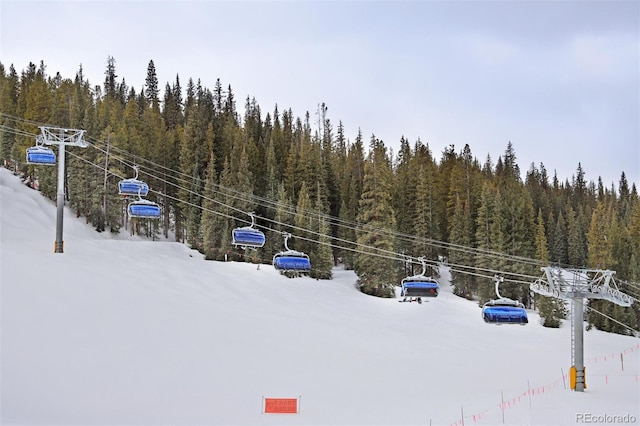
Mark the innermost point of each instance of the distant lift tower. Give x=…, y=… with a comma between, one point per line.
x=62, y=138
x=577, y=285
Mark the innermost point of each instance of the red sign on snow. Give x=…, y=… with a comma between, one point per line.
x=281, y=405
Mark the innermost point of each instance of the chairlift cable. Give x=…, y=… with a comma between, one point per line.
x=336, y=221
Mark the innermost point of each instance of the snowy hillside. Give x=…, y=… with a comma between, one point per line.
x=122, y=331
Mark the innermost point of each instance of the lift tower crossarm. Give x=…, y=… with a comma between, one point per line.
x=584, y=283
x=577, y=285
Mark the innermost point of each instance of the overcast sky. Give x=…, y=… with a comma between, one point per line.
x=560, y=80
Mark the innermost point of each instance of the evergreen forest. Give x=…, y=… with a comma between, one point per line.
x=351, y=202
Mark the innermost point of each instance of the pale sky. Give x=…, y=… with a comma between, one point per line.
x=559, y=79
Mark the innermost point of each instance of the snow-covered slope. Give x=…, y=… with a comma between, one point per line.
x=123, y=331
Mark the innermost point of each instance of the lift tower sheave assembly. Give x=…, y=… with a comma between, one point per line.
x=63, y=138
x=577, y=285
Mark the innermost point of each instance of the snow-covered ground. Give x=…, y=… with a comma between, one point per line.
x=123, y=331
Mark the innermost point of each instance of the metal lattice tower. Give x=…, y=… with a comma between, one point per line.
x=63, y=138
x=577, y=285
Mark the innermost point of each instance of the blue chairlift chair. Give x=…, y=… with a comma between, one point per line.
x=291, y=260
x=415, y=287
x=133, y=186
x=504, y=310
x=41, y=155
x=248, y=237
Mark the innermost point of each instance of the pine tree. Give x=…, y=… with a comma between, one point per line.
x=576, y=249
x=271, y=170
x=155, y=143
x=322, y=256
x=404, y=197
x=621, y=246
x=559, y=251
x=194, y=211
x=549, y=225
x=331, y=194
x=537, y=186
x=168, y=155
x=511, y=171
x=425, y=218
x=283, y=216
x=172, y=102
x=110, y=83
x=551, y=310
x=61, y=93
x=9, y=86
x=634, y=268
x=599, y=239
x=209, y=212
x=579, y=188
x=195, y=149
x=498, y=233
x=605, y=238
x=460, y=235
x=518, y=228
x=242, y=183
x=542, y=249
x=35, y=102
x=634, y=234
x=443, y=187
x=151, y=85
x=304, y=222
x=112, y=205
x=485, y=238
x=375, y=222
x=351, y=189
x=291, y=176
x=222, y=223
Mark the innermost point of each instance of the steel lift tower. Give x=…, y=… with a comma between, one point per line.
x=62, y=138
x=577, y=285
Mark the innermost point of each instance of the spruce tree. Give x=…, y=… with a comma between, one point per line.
x=542, y=249
x=634, y=234
x=351, y=189
x=460, y=235
x=283, y=218
x=9, y=86
x=304, y=222
x=242, y=183
x=36, y=100
x=209, y=212
x=222, y=223
x=606, y=237
x=443, y=187
x=498, y=233
x=426, y=226
x=404, y=197
x=485, y=238
x=376, y=222
x=110, y=83
x=551, y=310
x=322, y=257
x=576, y=250
x=329, y=183
x=559, y=247
x=599, y=239
x=151, y=85
x=194, y=211
x=621, y=246
x=518, y=236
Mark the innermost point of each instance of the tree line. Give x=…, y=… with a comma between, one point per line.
x=352, y=201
